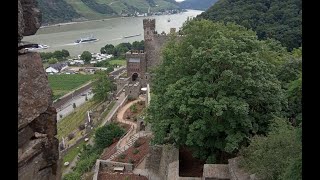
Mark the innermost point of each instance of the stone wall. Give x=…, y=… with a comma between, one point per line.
x=133, y=66
x=159, y=159
x=133, y=90
x=63, y=100
x=121, y=82
x=100, y=164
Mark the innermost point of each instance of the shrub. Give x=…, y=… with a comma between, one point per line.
x=136, y=144
x=70, y=136
x=131, y=161
x=122, y=156
x=74, y=105
x=130, y=98
x=133, y=108
x=81, y=127
x=104, y=135
x=135, y=151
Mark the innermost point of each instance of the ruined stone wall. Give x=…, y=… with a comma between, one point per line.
x=37, y=146
x=159, y=159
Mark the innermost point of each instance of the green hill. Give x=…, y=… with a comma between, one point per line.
x=56, y=11
x=197, y=4
x=281, y=20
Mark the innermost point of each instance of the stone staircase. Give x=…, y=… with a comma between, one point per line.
x=130, y=143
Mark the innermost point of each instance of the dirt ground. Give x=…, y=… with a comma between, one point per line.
x=130, y=116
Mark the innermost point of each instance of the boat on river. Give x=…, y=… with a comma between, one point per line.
x=86, y=40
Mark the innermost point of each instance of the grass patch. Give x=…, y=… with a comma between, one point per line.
x=73, y=120
x=72, y=152
x=106, y=112
x=64, y=83
x=120, y=62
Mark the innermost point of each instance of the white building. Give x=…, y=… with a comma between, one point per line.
x=51, y=70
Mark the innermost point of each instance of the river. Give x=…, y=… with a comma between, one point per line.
x=108, y=31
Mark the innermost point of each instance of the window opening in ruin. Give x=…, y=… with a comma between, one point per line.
x=134, y=76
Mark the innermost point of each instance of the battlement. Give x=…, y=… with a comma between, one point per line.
x=149, y=23
x=135, y=52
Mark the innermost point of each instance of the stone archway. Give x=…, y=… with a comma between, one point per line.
x=134, y=76
x=142, y=126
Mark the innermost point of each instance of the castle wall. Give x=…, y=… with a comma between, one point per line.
x=136, y=67
x=159, y=159
x=133, y=90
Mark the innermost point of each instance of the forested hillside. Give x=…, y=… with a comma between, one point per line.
x=281, y=20
x=197, y=4
x=56, y=11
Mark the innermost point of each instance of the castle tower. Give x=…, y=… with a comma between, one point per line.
x=149, y=26
x=136, y=65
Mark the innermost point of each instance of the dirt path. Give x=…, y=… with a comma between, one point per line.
x=120, y=119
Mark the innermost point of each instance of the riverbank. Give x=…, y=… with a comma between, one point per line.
x=113, y=17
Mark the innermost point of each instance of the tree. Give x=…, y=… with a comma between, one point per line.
x=214, y=89
x=277, y=155
x=52, y=61
x=102, y=86
x=281, y=20
x=103, y=51
x=136, y=45
x=46, y=56
x=122, y=48
x=109, y=49
x=86, y=56
x=59, y=55
x=65, y=53
x=105, y=135
x=290, y=75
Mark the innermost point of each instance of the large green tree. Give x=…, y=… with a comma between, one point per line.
x=86, y=56
x=102, y=86
x=290, y=75
x=277, y=155
x=215, y=88
x=281, y=20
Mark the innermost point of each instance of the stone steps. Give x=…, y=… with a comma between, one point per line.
x=130, y=143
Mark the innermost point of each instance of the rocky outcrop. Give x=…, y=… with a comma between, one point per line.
x=29, y=18
x=37, y=145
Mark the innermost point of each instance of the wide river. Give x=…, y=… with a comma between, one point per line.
x=108, y=31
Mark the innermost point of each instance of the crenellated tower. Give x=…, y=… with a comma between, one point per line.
x=149, y=27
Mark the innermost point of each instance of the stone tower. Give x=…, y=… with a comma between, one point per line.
x=136, y=65
x=149, y=26
x=153, y=43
